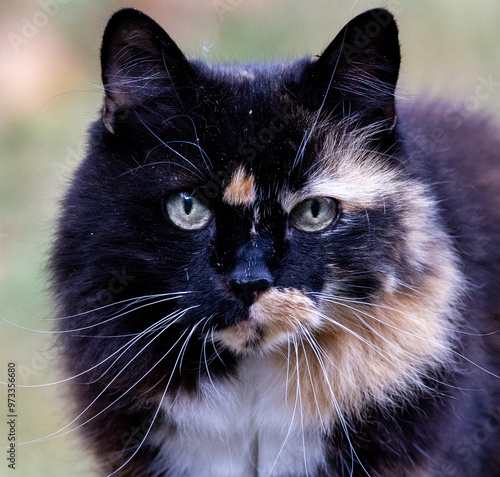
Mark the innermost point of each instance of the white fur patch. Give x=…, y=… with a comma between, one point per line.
x=245, y=428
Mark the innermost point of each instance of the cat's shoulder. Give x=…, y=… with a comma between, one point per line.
x=453, y=137
x=456, y=150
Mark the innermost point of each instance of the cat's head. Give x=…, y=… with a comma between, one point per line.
x=254, y=208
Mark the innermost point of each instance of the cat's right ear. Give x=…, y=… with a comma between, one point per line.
x=139, y=61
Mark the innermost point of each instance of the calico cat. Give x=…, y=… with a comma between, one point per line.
x=280, y=270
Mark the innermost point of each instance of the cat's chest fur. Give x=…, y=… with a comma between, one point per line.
x=246, y=427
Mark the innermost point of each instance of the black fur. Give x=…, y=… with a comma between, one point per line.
x=172, y=125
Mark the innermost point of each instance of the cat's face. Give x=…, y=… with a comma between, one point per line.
x=256, y=209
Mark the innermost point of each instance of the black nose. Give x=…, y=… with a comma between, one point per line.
x=246, y=288
x=251, y=273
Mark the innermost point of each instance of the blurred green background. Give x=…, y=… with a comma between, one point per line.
x=50, y=91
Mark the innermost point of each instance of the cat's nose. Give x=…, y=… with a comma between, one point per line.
x=246, y=287
x=251, y=273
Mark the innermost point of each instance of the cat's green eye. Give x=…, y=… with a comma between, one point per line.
x=314, y=214
x=187, y=212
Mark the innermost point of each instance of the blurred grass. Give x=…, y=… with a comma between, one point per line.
x=50, y=93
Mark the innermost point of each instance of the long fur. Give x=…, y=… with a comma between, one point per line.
x=242, y=342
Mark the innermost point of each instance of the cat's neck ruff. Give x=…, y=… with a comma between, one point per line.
x=243, y=427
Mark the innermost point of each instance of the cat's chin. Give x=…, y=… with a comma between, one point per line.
x=276, y=317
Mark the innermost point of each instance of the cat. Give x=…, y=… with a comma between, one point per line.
x=280, y=269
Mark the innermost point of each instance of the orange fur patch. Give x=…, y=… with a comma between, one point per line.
x=241, y=189
x=340, y=355
x=352, y=173
x=373, y=353
x=274, y=315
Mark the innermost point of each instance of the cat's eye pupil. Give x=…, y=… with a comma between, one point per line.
x=188, y=204
x=315, y=206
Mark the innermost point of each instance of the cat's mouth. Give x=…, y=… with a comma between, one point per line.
x=275, y=316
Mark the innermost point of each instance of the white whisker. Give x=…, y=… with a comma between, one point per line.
x=342, y=420
x=199, y=173
x=100, y=323
x=100, y=363
x=177, y=363
x=58, y=433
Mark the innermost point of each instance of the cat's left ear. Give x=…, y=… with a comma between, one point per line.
x=358, y=71
x=139, y=62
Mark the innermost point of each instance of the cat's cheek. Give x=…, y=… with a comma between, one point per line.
x=275, y=317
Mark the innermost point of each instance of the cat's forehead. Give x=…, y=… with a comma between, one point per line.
x=339, y=165
x=240, y=191
x=250, y=98
x=251, y=141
